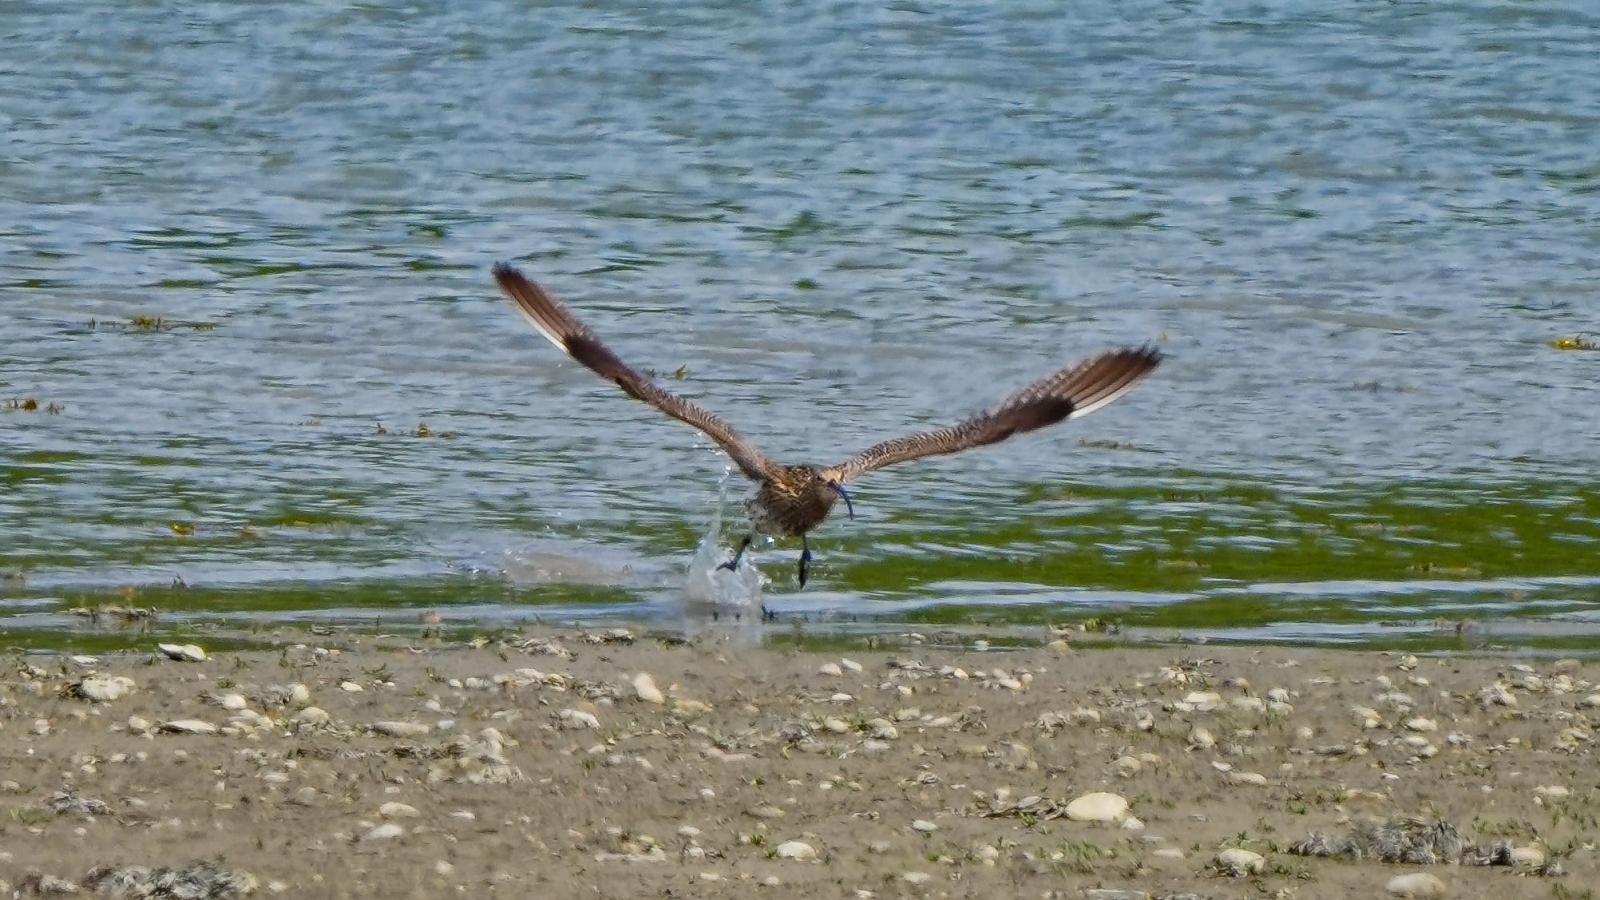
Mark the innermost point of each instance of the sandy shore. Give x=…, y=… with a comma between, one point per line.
x=543, y=765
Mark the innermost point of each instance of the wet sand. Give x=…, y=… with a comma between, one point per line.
x=541, y=764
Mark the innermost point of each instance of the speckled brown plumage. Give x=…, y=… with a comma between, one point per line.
x=793, y=499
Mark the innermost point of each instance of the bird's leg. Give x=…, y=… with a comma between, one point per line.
x=805, y=559
x=738, y=554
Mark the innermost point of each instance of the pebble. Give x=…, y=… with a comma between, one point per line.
x=831, y=668
x=188, y=726
x=397, y=810
x=1422, y=723
x=924, y=826
x=577, y=718
x=105, y=688
x=1237, y=862
x=399, y=729
x=1527, y=856
x=313, y=715
x=1099, y=806
x=182, y=652
x=796, y=850
x=1416, y=884
x=385, y=832
x=644, y=687
x=917, y=877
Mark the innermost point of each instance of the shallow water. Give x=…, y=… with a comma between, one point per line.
x=244, y=254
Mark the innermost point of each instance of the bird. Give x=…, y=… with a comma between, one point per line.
x=792, y=499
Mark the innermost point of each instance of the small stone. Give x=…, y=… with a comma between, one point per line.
x=385, y=832
x=396, y=810
x=1237, y=862
x=577, y=718
x=796, y=850
x=232, y=700
x=1416, y=885
x=1527, y=856
x=850, y=664
x=105, y=688
x=1203, y=701
x=182, y=652
x=918, y=878
x=1255, y=778
x=644, y=687
x=400, y=729
x=1422, y=723
x=350, y=687
x=313, y=715
x=188, y=726
x=1113, y=894
x=1099, y=806
x=830, y=668
x=924, y=826
x=1168, y=853
x=1548, y=792
x=1201, y=738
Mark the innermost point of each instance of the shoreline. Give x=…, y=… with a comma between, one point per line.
x=618, y=764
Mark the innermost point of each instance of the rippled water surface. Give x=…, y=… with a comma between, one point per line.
x=244, y=254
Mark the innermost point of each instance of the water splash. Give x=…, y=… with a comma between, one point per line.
x=712, y=592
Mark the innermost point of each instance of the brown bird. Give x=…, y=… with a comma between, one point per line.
x=792, y=500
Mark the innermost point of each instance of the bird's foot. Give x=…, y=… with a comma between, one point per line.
x=733, y=564
x=805, y=562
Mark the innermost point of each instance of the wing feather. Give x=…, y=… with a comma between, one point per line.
x=557, y=323
x=1074, y=391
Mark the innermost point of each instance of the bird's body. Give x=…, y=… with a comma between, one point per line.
x=791, y=500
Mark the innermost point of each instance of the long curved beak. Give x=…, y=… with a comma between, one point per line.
x=850, y=508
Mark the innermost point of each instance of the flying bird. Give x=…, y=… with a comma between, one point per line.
x=791, y=500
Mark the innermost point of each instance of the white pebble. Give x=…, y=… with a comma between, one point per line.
x=1235, y=861
x=796, y=850
x=1422, y=723
x=1527, y=856
x=105, y=688
x=182, y=652
x=188, y=726
x=1099, y=806
x=924, y=826
x=644, y=687
x=401, y=729
x=396, y=810
x=385, y=832
x=830, y=668
x=577, y=718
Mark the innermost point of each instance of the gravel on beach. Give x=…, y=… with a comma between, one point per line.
x=608, y=764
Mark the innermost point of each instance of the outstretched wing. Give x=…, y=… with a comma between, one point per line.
x=562, y=328
x=1074, y=391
